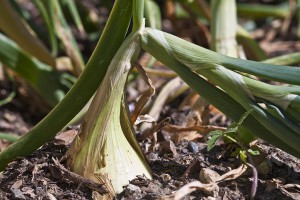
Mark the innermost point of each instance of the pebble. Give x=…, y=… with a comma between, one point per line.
x=168, y=147
x=275, y=159
x=185, y=151
x=202, y=146
x=208, y=176
x=130, y=189
x=193, y=147
x=211, y=198
x=166, y=177
x=152, y=156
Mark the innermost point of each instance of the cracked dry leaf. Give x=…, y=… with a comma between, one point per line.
x=209, y=188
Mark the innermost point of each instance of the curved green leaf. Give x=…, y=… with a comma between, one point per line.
x=82, y=90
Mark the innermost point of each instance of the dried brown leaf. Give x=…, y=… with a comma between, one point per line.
x=65, y=138
x=209, y=188
x=233, y=174
x=146, y=96
x=189, y=188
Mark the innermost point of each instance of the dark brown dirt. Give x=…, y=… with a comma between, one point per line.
x=36, y=176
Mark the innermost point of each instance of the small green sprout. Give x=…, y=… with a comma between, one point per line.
x=231, y=134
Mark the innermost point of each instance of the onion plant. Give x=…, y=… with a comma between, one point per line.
x=106, y=150
x=259, y=11
x=106, y=144
x=49, y=83
x=75, y=100
x=201, y=9
x=23, y=52
x=11, y=24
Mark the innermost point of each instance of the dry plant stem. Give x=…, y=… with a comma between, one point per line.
x=189, y=101
x=65, y=37
x=254, y=181
x=233, y=174
x=201, y=129
x=216, y=117
x=254, y=171
x=204, y=8
x=205, y=115
x=288, y=19
x=168, y=90
x=202, y=27
x=155, y=128
x=153, y=143
x=146, y=96
x=104, y=179
x=170, y=9
x=180, y=90
x=188, y=170
x=201, y=106
x=255, y=176
x=187, y=189
x=77, y=63
x=79, y=179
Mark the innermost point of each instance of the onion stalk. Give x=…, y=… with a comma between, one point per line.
x=106, y=146
x=187, y=58
x=81, y=92
x=224, y=27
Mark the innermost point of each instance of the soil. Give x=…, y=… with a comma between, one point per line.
x=174, y=163
x=37, y=177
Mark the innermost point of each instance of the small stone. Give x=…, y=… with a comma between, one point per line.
x=130, y=189
x=193, y=147
x=185, y=151
x=276, y=160
x=208, y=176
x=18, y=194
x=152, y=156
x=168, y=147
x=202, y=146
x=211, y=198
x=166, y=177
x=178, y=183
x=50, y=196
x=17, y=184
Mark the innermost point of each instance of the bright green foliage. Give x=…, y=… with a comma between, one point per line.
x=49, y=83
x=231, y=133
x=76, y=99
